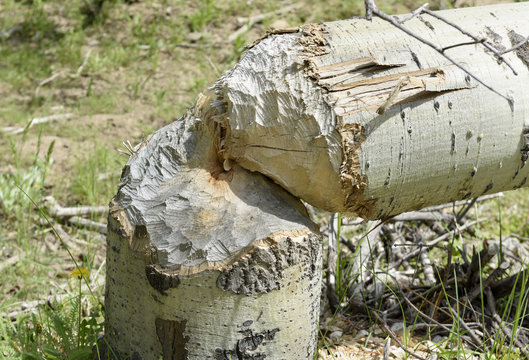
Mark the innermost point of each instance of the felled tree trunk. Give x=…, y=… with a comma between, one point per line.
x=302, y=109
x=211, y=254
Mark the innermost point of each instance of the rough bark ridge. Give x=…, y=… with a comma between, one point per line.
x=356, y=116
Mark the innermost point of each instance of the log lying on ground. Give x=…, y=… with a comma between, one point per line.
x=301, y=108
x=208, y=258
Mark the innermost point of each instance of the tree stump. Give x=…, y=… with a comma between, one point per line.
x=205, y=262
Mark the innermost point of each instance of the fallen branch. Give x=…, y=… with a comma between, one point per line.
x=332, y=258
x=62, y=73
x=520, y=44
x=252, y=20
x=386, y=328
x=58, y=211
x=72, y=215
x=13, y=130
x=88, y=224
x=372, y=8
x=434, y=242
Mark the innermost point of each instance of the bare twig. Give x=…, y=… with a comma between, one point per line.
x=88, y=224
x=371, y=8
x=189, y=45
x=411, y=15
x=62, y=73
x=58, y=211
x=476, y=341
x=498, y=322
x=393, y=336
x=426, y=317
x=213, y=66
x=520, y=44
x=489, y=46
x=46, y=81
x=85, y=61
x=461, y=203
x=17, y=130
x=251, y=21
x=465, y=210
x=73, y=216
x=422, y=215
x=434, y=242
x=7, y=33
x=332, y=257
x=403, y=81
x=395, y=23
x=464, y=44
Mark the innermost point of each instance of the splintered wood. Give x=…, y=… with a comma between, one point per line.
x=431, y=132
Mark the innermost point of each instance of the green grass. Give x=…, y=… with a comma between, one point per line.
x=87, y=186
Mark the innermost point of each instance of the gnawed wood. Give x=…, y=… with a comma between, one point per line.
x=294, y=99
x=208, y=252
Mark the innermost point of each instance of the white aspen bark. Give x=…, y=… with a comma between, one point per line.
x=205, y=262
x=302, y=109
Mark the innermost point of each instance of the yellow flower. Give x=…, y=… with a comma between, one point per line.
x=79, y=272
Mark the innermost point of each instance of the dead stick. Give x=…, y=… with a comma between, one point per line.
x=475, y=339
x=434, y=242
x=521, y=43
x=475, y=38
x=461, y=203
x=385, y=327
x=332, y=257
x=88, y=224
x=499, y=322
x=251, y=21
x=58, y=211
x=426, y=317
x=17, y=130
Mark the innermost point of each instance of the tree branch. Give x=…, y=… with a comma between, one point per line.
x=371, y=8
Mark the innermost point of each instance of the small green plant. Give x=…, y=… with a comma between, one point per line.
x=87, y=184
x=58, y=332
x=14, y=204
x=205, y=14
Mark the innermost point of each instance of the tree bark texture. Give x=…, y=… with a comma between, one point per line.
x=211, y=254
x=204, y=262
x=302, y=109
